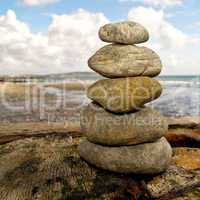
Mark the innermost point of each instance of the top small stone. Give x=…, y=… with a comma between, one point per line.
x=124, y=33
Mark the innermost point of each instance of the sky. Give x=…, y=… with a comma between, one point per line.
x=59, y=36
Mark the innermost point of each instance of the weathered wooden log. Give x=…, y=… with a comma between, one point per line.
x=177, y=135
x=15, y=131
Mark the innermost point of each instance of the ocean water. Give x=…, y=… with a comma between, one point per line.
x=180, y=97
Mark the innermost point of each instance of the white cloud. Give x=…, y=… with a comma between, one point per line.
x=70, y=41
x=76, y=35
x=164, y=34
x=162, y=3
x=38, y=2
x=177, y=49
x=197, y=24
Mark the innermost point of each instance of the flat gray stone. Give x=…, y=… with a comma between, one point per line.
x=148, y=158
x=127, y=32
x=106, y=128
x=124, y=94
x=117, y=60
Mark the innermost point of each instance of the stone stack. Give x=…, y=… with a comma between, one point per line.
x=122, y=134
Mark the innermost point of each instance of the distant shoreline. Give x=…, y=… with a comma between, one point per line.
x=83, y=76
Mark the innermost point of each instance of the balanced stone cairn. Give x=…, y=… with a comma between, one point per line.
x=122, y=134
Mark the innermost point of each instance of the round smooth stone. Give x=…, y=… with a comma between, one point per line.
x=148, y=158
x=106, y=128
x=127, y=32
x=114, y=61
x=124, y=94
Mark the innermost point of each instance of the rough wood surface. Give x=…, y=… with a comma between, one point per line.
x=194, y=195
x=49, y=168
x=174, y=182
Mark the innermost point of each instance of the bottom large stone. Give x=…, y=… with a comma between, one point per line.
x=148, y=158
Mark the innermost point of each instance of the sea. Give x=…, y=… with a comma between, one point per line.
x=180, y=97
